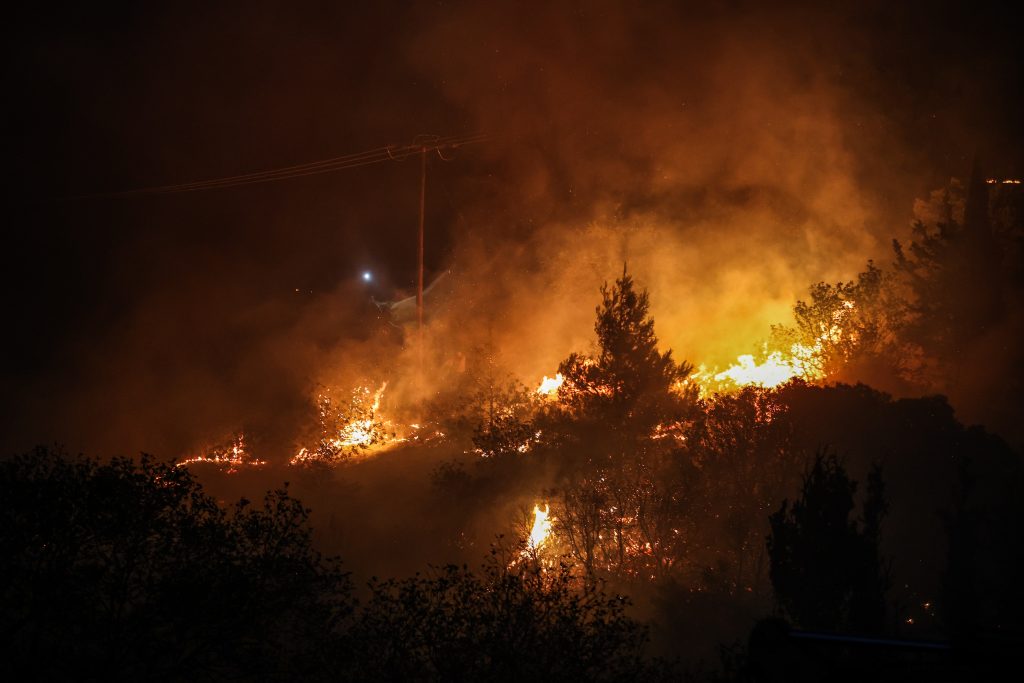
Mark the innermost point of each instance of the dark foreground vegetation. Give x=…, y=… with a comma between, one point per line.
x=130, y=571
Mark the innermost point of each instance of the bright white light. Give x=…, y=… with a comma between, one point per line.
x=367, y=276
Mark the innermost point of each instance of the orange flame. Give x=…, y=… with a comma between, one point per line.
x=361, y=432
x=230, y=458
x=549, y=385
x=541, y=527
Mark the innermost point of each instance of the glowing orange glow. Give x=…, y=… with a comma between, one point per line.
x=775, y=370
x=303, y=457
x=675, y=430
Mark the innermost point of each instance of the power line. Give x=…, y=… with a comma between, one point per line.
x=373, y=156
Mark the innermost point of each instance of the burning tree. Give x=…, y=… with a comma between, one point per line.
x=507, y=414
x=616, y=431
x=345, y=430
x=846, y=327
x=629, y=381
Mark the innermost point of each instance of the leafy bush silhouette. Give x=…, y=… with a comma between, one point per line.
x=129, y=570
x=500, y=623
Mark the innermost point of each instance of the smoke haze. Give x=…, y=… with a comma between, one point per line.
x=731, y=154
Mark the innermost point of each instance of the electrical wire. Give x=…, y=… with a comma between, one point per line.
x=369, y=157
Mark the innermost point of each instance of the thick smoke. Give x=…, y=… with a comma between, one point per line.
x=730, y=158
x=729, y=154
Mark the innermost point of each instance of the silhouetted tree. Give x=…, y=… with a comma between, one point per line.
x=741, y=445
x=981, y=603
x=582, y=520
x=956, y=281
x=960, y=585
x=825, y=571
x=871, y=581
x=629, y=383
x=506, y=420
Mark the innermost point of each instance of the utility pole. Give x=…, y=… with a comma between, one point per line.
x=419, y=284
x=423, y=203
x=422, y=145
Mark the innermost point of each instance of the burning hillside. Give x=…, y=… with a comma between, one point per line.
x=357, y=423
x=674, y=315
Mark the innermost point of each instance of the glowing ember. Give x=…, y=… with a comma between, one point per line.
x=549, y=385
x=541, y=527
x=676, y=431
x=230, y=457
x=303, y=457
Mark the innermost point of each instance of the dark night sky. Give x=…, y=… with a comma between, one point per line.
x=118, y=98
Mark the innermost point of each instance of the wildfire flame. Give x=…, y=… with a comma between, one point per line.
x=302, y=457
x=778, y=367
x=549, y=385
x=360, y=432
x=230, y=458
x=774, y=371
x=541, y=527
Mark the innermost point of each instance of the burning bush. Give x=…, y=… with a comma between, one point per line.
x=345, y=428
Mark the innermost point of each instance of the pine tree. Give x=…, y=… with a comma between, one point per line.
x=629, y=380
x=613, y=429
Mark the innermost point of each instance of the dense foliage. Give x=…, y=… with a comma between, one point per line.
x=129, y=570
x=497, y=624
